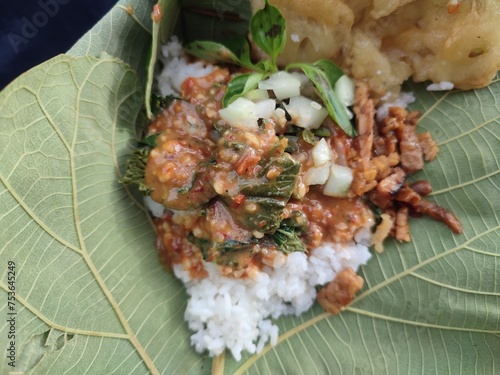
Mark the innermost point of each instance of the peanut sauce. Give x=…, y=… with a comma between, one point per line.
x=198, y=172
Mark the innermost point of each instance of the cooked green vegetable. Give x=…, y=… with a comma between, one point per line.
x=221, y=253
x=135, y=169
x=266, y=217
x=136, y=165
x=287, y=236
x=281, y=186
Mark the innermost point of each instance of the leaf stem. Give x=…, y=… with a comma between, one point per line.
x=218, y=364
x=134, y=18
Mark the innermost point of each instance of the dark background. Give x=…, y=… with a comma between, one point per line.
x=32, y=31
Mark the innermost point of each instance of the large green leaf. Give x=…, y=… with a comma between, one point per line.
x=125, y=32
x=93, y=298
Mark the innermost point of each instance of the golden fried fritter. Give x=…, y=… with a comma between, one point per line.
x=386, y=42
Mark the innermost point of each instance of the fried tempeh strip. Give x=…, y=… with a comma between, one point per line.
x=339, y=292
x=439, y=213
x=402, y=227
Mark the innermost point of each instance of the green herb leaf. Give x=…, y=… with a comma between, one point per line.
x=216, y=53
x=268, y=30
x=281, y=186
x=203, y=244
x=239, y=46
x=240, y=85
x=324, y=74
x=233, y=246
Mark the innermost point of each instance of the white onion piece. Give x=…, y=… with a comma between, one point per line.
x=317, y=175
x=265, y=108
x=283, y=84
x=242, y=113
x=344, y=88
x=306, y=113
x=157, y=209
x=304, y=80
x=256, y=95
x=339, y=181
x=321, y=153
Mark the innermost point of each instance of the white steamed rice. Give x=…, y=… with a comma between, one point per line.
x=402, y=100
x=226, y=312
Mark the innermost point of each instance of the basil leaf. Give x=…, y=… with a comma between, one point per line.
x=268, y=30
x=215, y=53
x=240, y=85
x=323, y=75
x=232, y=246
x=239, y=46
x=265, y=66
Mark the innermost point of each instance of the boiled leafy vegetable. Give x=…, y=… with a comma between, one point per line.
x=93, y=298
x=136, y=169
x=281, y=186
x=287, y=236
